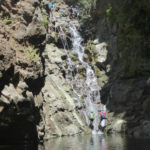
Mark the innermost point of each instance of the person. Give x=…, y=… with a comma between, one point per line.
x=75, y=11
x=91, y=117
x=103, y=115
x=70, y=12
x=51, y=6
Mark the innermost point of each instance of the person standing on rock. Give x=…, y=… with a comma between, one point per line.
x=75, y=11
x=103, y=116
x=91, y=117
x=51, y=6
x=70, y=12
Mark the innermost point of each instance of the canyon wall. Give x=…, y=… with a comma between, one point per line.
x=123, y=25
x=35, y=99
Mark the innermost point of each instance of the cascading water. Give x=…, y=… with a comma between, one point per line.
x=88, y=90
x=91, y=92
x=70, y=65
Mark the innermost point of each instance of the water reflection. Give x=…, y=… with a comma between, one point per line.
x=96, y=142
x=16, y=144
x=84, y=142
x=88, y=142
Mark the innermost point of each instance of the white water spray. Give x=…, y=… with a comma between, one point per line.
x=92, y=89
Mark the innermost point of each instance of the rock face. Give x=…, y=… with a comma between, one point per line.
x=126, y=64
x=21, y=66
x=35, y=99
x=59, y=112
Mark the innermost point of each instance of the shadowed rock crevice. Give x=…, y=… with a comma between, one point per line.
x=126, y=64
x=36, y=85
x=18, y=124
x=7, y=77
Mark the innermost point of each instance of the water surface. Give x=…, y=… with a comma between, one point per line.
x=97, y=142
x=83, y=142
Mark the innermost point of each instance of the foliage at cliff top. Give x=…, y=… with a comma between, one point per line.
x=85, y=6
x=132, y=18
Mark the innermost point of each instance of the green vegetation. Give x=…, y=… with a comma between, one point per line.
x=32, y=54
x=6, y=20
x=7, y=23
x=45, y=21
x=108, y=10
x=12, y=42
x=52, y=44
x=132, y=19
x=85, y=7
x=90, y=50
x=82, y=100
x=56, y=37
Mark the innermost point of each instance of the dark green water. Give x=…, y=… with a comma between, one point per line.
x=97, y=142
x=84, y=142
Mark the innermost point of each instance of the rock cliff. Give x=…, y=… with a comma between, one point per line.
x=125, y=30
x=35, y=99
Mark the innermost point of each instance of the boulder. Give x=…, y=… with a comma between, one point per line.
x=29, y=95
x=142, y=130
x=102, y=52
x=22, y=85
x=20, y=33
x=11, y=94
x=33, y=2
x=36, y=30
x=146, y=105
x=96, y=41
x=148, y=82
x=119, y=126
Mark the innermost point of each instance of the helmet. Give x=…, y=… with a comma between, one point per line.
x=92, y=111
x=101, y=109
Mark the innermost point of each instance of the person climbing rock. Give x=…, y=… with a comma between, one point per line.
x=91, y=117
x=75, y=11
x=71, y=12
x=51, y=6
x=103, y=115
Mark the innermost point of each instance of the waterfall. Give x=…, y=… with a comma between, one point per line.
x=70, y=65
x=91, y=87
x=89, y=90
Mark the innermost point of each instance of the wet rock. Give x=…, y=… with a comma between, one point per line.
x=71, y=130
x=146, y=105
x=119, y=126
x=102, y=52
x=1, y=108
x=142, y=130
x=58, y=104
x=96, y=41
x=148, y=82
